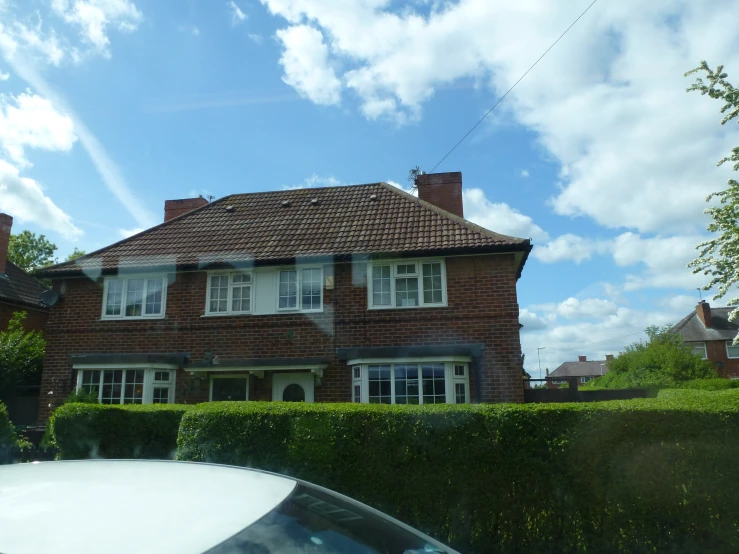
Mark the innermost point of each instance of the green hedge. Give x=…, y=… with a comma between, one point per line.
x=710, y=384
x=649, y=475
x=81, y=430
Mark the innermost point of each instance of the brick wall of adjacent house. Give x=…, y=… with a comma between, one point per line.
x=35, y=319
x=482, y=308
x=716, y=353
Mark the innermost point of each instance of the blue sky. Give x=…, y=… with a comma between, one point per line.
x=109, y=107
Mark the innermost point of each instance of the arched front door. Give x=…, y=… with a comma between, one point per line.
x=292, y=387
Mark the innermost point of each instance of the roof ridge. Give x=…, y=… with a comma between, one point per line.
x=449, y=215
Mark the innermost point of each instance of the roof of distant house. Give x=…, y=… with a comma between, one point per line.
x=580, y=369
x=284, y=226
x=692, y=329
x=18, y=287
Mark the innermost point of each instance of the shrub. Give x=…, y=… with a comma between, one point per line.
x=9, y=443
x=710, y=384
x=640, y=475
x=82, y=397
x=81, y=430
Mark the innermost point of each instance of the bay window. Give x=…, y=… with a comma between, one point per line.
x=411, y=382
x=134, y=297
x=300, y=289
x=229, y=293
x=128, y=385
x=406, y=284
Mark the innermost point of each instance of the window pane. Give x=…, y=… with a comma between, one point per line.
x=112, y=384
x=241, y=301
x=357, y=371
x=733, y=351
x=134, y=390
x=311, y=289
x=432, y=283
x=356, y=394
x=160, y=395
x=459, y=371
x=700, y=350
x=434, y=384
x=406, y=291
x=162, y=376
x=460, y=396
x=153, y=296
x=405, y=269
x=90, y=381
x=406, y=384
x=218, y=293
x=241, y=278
x=114, y=298
x=381, y=285
x=134, y=297
x=288, y=289
x=379, y=384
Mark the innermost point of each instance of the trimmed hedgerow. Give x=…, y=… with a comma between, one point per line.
x=82, y=430
x=640, y=475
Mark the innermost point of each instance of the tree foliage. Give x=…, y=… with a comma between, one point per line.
x=76, y=253
x=21, y=353
x=664, y=361
x=29, y=252
x=719, y=257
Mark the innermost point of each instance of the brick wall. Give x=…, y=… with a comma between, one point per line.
x=716, y=352
x=35, y=319
x=482, y=308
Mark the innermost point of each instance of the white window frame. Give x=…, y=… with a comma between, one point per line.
x=585, y=378
x=451, y=380
x=694, y=345
x=298, y=269
x=231, y=286
x=126, y=279
x=394, y=276
x=230, y=376
x=149, y=383
x=730, y=344
x=559, y=381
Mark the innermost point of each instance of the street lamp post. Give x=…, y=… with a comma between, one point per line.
x=539, y=357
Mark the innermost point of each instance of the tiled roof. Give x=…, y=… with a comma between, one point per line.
x=271, y=227
x=17, y=287
x=580, y=369
x=692, y=329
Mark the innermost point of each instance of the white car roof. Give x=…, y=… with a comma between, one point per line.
x=130, y=506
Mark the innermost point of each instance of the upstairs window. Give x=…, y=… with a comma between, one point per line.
x=134, y=297
x=300, y=289
x=229, y=293
x=407, y=284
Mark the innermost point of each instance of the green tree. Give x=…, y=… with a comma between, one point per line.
x=21, y=353
x=76, y=253
x=719, y=257
x=663, y=361
x=29, y=252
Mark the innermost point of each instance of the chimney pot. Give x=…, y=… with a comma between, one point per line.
x=582, y=359
x=547, y=372
x=443, y=190
x=703, y=310
x=6, y=224
x=176, y=208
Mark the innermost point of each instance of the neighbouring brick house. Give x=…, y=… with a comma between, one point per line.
x=358, y=293
x=710, y=333
x=19, y=292
x=585, y=370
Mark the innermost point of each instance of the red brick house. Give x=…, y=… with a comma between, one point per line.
x=358, y=293
x=19, y=292
x=710, y=333
x=585, y=370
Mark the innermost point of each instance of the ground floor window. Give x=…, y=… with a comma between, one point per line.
x=410, y=382
x=128, y=386
x=229, y=387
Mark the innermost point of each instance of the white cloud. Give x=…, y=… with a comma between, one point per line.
x=28, y=120
x=237, y=16
x=4, y=76
x=499, y=217
x=572, y=308
x=94, y=17
x=568, y=247
x=257, y=39
x=608, y=102
x=315, y=181
x=125, y=233
x=23, y=198
x=305, y=62
x=524, y=173
x=532, y=321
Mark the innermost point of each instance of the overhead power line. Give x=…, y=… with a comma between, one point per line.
x=513, y=86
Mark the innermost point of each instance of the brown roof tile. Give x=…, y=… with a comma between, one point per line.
x=18, y=287
x=271, y=227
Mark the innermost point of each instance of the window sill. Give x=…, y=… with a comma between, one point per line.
x=228, y=315
x=133, y=318
x=407, y=307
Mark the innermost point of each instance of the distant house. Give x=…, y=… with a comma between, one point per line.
x=19, y=292
x=585, y=370
x=710, y=333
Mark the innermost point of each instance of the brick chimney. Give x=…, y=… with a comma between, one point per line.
x=582, y=359
x=703, y=310
x=547, y=369
x=176, y=208
x=443, y=190
x=609, y=357
x=6, y=223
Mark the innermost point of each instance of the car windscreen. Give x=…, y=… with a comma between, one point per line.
x=312, y=521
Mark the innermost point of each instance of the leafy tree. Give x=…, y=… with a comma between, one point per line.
x=663, y=361
x=719, y=256
x=29, y=252
x=76, y=253
x=21, y=353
